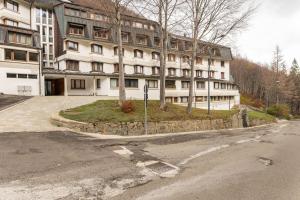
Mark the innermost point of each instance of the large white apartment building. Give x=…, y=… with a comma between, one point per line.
x=79, y=55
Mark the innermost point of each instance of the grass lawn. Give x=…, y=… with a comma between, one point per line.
x=253, y=115
x=109, y=111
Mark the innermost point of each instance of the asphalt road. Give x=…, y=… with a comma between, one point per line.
x=231, y=165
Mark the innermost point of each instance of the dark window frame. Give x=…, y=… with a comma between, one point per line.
x=78, y=84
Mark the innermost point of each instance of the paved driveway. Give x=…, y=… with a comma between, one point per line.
x=34, y=114
x=9, y=100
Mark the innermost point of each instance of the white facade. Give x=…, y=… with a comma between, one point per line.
x=17, y=77
x=61, y=78
x=18, y=73
x=19, y=14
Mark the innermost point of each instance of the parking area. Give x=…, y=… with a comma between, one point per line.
x=7, y=101
x=34, y=114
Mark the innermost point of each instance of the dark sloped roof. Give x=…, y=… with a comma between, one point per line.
x=105, y=6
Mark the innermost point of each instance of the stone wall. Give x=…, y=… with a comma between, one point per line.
x=137, y=128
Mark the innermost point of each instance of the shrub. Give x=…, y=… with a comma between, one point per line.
x=280, y=111
x=128, y=107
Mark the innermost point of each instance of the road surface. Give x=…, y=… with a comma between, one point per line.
x=257, y=164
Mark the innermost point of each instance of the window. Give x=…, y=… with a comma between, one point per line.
x=211, y=62
x=141, y=39
x=101, y=17
x=199, y=99
x=10, y=75
x=223, y=86
x=44, y=16
x=114, y=83
x=200, y=85
x=11, y=5
x=50, y=16
x=22, y=76
x=97, y=67
x=186, y=72
x=172, y=72
x=33, y=57
x=174, y=44
x=156, y=41
x=72, y=65
x=8, y=54
x=199, y=73
x=50, y=35
x=38, y=15
x=98, y=83
x=76, y=29
x=125, y=37
x=212, y=74
x=19, y=38
x=138, y=53
x=32, y=76
x=101, y=33
x=185, y=84
x=44, y=31
x=38, y=28
x=152, y=83
x=138, y=69
x=155, y=70
x=131, y=83
x=199, y=60
x=16, y=55
x=216, y=85
x=168, y=99
x=222, y=75
x=185, y=59
x=188, y=46
x=222, y=63
x=155, y=55
x=11, y=22
x=171, y=57
x=137, y=25
x=72, y=45
x=78, y=84
x=116, y=68
x=97, y=48
x=116, y=52
x=171, y=84
x=126, y=23
x=184, y=99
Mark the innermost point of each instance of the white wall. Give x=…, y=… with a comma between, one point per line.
x=10, y=85
x=22, y=16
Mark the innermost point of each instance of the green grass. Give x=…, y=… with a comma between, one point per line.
x=109, y=111
x=254, y=115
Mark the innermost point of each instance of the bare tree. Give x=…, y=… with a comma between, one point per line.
x=213, y=20
x=116, y=9
x=164, y=12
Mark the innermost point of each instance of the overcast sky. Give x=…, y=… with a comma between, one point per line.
x=276, y=22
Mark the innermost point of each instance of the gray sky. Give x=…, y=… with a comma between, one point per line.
x=276, y=22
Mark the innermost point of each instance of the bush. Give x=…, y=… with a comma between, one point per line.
x=128, y=107
x=280, y=111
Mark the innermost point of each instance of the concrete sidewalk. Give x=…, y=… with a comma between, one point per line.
x=34, y=114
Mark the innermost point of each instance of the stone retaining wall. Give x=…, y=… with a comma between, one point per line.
x=137, y=128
